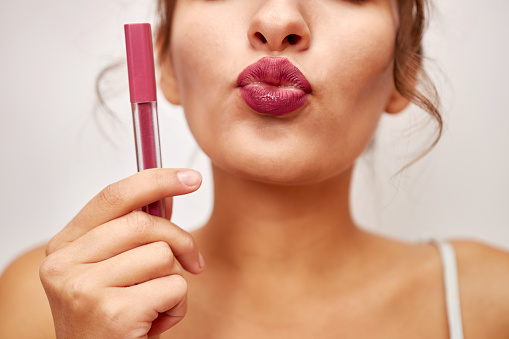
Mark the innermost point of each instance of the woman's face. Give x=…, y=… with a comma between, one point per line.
x=344, y=49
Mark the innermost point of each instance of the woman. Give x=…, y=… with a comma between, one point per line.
x=283, y=255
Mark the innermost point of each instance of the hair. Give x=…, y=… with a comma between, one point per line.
x=410, y=78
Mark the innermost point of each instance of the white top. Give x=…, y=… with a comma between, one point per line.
x=451, y=288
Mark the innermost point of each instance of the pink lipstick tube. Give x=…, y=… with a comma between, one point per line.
x=142, y=89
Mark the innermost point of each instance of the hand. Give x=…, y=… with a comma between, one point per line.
x=116, y=272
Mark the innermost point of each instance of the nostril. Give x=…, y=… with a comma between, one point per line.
x=261, y=37
x=293, y=39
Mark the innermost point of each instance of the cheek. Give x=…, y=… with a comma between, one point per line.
x=362, y=56
x=195, y=58
x=205, y=54
x=361, y=81
x=205, y=43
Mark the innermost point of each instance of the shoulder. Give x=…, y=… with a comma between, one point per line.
x=24, y=309
x=483, y=275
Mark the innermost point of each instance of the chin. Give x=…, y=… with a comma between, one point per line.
x=282, y=172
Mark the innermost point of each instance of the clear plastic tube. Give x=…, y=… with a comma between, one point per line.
x=148, y=148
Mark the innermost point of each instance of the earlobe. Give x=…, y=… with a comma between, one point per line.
x=396, y=103
x=168, y=81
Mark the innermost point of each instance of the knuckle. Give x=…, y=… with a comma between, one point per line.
x=179, y=285
x=75, y=292
x=52, y=246
x=164, y=253
x=113, y=313
x=49, y=272
x=116, y=315
x=112, y=195
x=56, y=243
x=79, y=292
x=139, y=222
x=187, y=243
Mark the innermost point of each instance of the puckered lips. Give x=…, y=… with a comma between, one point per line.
x=273, y=85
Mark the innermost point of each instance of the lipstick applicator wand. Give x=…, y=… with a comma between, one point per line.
x=142, y=89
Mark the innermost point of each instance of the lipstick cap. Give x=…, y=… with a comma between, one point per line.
x=140, y=62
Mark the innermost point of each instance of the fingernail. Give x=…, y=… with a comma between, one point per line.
x=189, y=178
x=201, y=261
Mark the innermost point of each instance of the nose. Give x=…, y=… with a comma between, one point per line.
x=279, y=25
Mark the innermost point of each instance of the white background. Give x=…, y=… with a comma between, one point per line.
x=54, y=157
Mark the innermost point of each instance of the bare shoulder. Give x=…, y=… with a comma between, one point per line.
x=483, y=273
x=24, y=309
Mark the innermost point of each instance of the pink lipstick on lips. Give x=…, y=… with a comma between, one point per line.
x=142, y=88
x=273, y=85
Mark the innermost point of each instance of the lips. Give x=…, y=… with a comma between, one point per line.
x=273, y=86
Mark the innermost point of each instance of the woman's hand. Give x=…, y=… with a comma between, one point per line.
x=116, y=272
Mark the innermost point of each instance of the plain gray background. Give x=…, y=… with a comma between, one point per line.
x=55, y=156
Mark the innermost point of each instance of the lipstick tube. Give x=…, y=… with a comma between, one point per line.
x=142, y=89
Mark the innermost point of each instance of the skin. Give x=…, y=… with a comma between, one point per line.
x=283, y=256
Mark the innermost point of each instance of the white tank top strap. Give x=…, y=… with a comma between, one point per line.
x=452, y=298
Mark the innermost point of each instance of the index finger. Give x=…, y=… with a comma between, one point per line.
x=124, y=196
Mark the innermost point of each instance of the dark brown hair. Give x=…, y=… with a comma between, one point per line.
x=410, y=78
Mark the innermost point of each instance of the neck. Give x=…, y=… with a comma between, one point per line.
x=269, y=227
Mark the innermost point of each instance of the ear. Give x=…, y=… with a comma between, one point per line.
x=396, y=102
x=168, y=81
